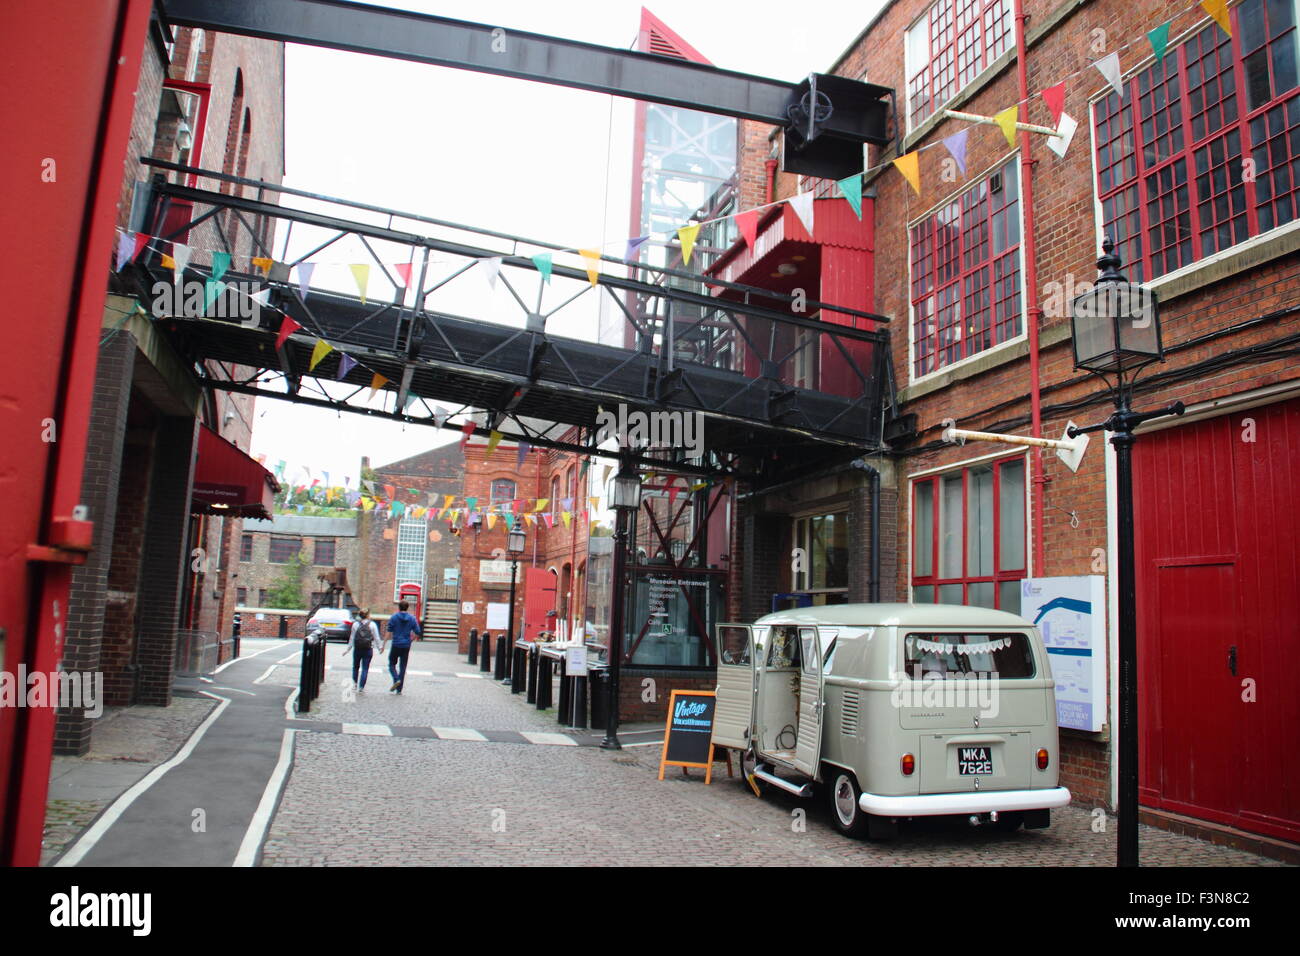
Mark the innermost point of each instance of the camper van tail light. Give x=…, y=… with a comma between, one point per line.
x=908, y=764
x=1042, y=758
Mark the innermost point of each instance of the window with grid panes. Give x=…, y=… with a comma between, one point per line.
x=948, y=47
x=324, y=552
x=411, y=543
x=968, y=536
x=245, y=547
x=965, y=274
x=283, y=549
x=502, y=491
x=1172, y=155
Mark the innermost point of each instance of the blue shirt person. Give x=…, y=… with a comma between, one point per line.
x=401, y=625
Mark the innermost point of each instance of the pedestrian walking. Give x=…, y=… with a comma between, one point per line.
x=361, y=645
x=401, y=625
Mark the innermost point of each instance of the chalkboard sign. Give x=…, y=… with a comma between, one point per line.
x=688, y=734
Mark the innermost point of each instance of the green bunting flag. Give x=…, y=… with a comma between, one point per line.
x=543, y=262
x=851, y=189
x=1159, y=38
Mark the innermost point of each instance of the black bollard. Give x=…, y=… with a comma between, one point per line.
x=485, y=658
x=499, y=663
x=532, y=675
x=599, y=696
x=543, y=682
x=580, y=703
x=562, y=711
x=508, y=658
x=473, y=645
x=519, y=671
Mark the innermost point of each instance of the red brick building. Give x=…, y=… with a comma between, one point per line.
x=1192, y=172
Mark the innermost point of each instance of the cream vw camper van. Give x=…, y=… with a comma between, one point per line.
x=896, y=711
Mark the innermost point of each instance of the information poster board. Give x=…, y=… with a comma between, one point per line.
x=1071, y=613
x=498, y=615
x=688, y=733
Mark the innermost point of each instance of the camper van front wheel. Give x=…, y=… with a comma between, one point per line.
x=844, y=793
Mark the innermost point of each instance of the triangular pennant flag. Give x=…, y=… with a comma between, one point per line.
x=543, y=261
x=263, y=297
x=368, y=485
x=567, y=516
x=510, y=522
x=279, y=468
x=167, y=261
x=521, y=454
x=541, y=503
x=305, y=269
x=1159, y=38
x=398, y=509
x=318, y=352
x=1054, y=97
x=491, y=266
x=909, y=164
x=390, y=491
x=220, y=263
x=530, y=520
x=471, y=503
x=181, y=258
x=1218, y=9
x=403, y=269
x=361, y=273
x=287, y=328
x=1108, y=66
x=410, y=400
x=125, y=246
x=447, y=500
x=593, y=263
x=346, y=364
x=851, y=189
x=673, y=492
x=549, y=519
x=686, y=235
x=494, y=439
x=1067, y=126
x=567, y=504
x=802, y=205
x=593, y=502
x=264, y=263
x=491, y=519
x=634, y=248
x=747, y=223
x=440, y=415
x=956, y=145
x=1007, y=120
x=141, y=240
x=465, y=432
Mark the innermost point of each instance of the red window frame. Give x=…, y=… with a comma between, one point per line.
x=324, y=548
x=1171, y=177
x=966, y=298
x=245, y=547
x=965, y=36
x=278, y=545
x=1000, y=574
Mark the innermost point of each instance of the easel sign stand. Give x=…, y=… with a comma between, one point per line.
x=688, y=733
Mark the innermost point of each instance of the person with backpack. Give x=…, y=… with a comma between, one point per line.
x=402, y=625
x=361, y=644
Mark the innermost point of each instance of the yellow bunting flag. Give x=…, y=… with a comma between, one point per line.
x=447, y=500
x=367, y=503
x=263, y=263
x=491, y=519
x=541, y=503
x=321, y=350
x=494, y=439
x=1218, y=9
x=567, y=516
x=594, y=502
x=1007, y=120
x=168, y=262
x=593, y=263
x=377, y=383
x=530, y=520
x=909, y=164
x=687, y=236
x=361, y=272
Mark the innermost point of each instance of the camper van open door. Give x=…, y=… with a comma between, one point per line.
x=734, y=714
x=812, y=705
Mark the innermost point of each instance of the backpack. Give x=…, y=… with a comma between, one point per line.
x=365, y=636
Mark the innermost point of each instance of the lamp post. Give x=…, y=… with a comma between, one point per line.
x=515, y=546
x=624, y=498
x=1116, y=331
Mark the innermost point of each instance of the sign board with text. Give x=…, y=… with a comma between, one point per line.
x=1071, y=614
x=688, y=734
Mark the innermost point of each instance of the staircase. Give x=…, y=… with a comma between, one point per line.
x=441, y=620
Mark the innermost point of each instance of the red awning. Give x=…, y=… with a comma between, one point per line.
x=226, y=481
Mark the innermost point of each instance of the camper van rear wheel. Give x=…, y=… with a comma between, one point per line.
x=844, y=793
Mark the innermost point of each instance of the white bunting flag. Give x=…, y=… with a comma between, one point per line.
x=491, y=266
x=802, y=205
x=1108, y=66
x=180, y=259
x=1067, y=126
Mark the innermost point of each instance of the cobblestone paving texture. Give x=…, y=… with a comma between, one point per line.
x=141, y=736
x=435, y=802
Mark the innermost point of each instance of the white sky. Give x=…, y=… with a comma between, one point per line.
x=525, y=158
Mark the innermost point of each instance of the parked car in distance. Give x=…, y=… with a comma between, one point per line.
x=334, y=622
x=897, y=711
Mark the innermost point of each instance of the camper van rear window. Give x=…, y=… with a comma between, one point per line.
x=1009, y=656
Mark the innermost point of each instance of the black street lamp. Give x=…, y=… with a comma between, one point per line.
x=624, y=498
x=1116, y=328
x=514, y=545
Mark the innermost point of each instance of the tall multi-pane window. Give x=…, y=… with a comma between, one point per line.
x=284, y=548
x=824, y=544
x=1203, y=151
x=968, y=536
x=502, y=491
x=965, y=276
x=948, y=47
x=411, y=543
x=245, y=547
x=324, y=552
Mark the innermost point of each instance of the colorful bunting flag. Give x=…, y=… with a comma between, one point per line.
x=634, y=248
x=593, y=263
x=346, y=364
x=1067, y=126
x=956, y=146
x=440, y=415
x=549, y=519
x=125, y=246
x=851, y=189
x=1108, y=66
x=686, y=235
x=491, y=519
x=318, y=352
x=521, y=454
x=802, y=205
x=909, y=164
x=361, y=274
x=305, y=269
x=403, y=269
x=220, y=263
x=180, y=259
x=747, y=222
x=494, y=439
x=466, y=431
x=541, y=503
x=376, y=383
x=1159, y=38
x=1007, y=120
x=567, y=516
x=264, y=263
x=1054, y=97
x=1218, y=9
x=287, y=327
x=491, y=267
x=544, y=262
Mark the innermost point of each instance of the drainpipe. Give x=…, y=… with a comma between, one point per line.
x=770, y=163
x=873, y=582
x=1033, y=312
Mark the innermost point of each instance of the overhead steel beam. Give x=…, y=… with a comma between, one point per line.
x=845, y=109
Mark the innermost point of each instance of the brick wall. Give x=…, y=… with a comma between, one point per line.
x=633, y=690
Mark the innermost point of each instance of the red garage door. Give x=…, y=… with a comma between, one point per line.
x=1219, y=618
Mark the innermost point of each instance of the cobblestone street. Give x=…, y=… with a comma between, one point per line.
x=390, y=789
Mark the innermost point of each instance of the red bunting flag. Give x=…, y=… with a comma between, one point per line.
x=1054, y=97
x=287, y=327
x=404, y=270
x=465, y=433
x=747, y=222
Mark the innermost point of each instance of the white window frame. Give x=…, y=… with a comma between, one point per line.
x=410, y=526
x=914, y=49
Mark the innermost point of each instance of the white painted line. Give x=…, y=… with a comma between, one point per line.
x=290, y=657
x=289, y=702
x=267, y=673
x=92, y=836
x=458, y=733
x=647, y=743
x=236, y=690
x=368, y=730
x=257, y=827
x=551, y=740
x=245, y=657
x=471, y=676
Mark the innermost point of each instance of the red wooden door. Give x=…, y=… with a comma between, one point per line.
x=539, y=601
x=1219, y=618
